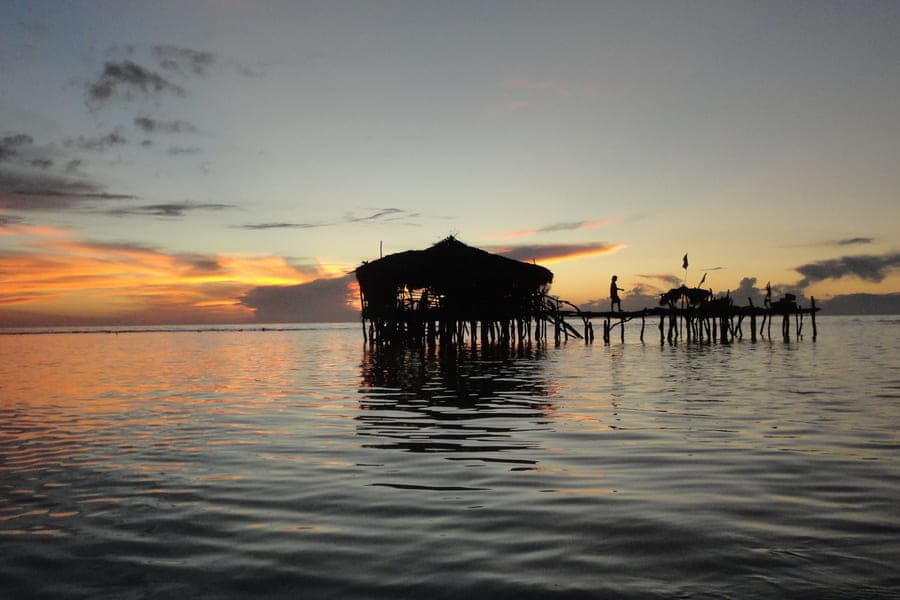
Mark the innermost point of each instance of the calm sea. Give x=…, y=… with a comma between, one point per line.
x=294, y=463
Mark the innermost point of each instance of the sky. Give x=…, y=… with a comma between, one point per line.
x=234, y=160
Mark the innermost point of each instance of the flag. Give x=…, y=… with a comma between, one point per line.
x=684, y=263
x=702, y=279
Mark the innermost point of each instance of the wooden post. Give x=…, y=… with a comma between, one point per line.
x=662, y=327
x=786, y=327
x=643, y=320
x=622, y=330
x=813, y=316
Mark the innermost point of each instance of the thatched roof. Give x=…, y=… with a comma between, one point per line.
x=452, y=268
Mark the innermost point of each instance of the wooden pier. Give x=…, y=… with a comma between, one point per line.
x=710, y=322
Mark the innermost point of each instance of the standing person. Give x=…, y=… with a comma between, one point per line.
x=767, y=302
x=614, y=294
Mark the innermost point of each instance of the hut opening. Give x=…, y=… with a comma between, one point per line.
x=452, y=291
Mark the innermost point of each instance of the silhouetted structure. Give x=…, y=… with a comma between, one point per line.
x=704, y=318
x=451, y=291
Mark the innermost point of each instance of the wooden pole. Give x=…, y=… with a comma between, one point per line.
x=813, y=316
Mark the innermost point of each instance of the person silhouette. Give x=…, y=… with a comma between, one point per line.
x=614, y=294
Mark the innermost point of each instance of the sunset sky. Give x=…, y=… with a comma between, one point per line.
x=174, y=162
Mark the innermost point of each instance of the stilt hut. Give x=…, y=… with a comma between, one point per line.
x=450, y=290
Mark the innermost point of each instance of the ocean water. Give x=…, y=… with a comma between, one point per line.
x=294, y=463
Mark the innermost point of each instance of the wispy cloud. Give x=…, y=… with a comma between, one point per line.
x=262, y=226
x=11, y=145
x=177, y=209
x=381, y=214
x=150, y=125
x=126, y=80
x=6, y=221
x=555, y=227
x=41, y=191
x=663, y=278
x=550, y=253
x=97, y=143
x=374, y=215
x=184, y=61
x=868, y=267
x=854, y=241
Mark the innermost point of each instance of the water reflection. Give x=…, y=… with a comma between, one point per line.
x=464, y=400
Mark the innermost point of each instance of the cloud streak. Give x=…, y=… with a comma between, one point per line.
x=854, y=241
x=184, y=61
x=150, y=125
x=555, y=227
x=176, y=209
x=264, y=226
x=550, y=253
x=97, y=144
x=46, y=192
x=377, y=215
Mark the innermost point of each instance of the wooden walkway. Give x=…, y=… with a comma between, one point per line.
x=703, y=323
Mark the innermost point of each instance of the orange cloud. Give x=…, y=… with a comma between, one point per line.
x=553, y=253
x=133, y=283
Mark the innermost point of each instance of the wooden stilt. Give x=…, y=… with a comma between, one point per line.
x=812, y=316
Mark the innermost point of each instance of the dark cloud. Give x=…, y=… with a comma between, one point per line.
x=166, y=210
x=184, y=61
x=97, y=144
x=749, y=290
x=7, y=220
x=863, y=304
x=322, y=300
x=200, y=264
x=37, y=191
x=868, y=267
x=41, y=163
x=126, y=79
x=854, y=241
x=149, y=125
x=73, y=165
x=11, y=145
x=260, y=226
